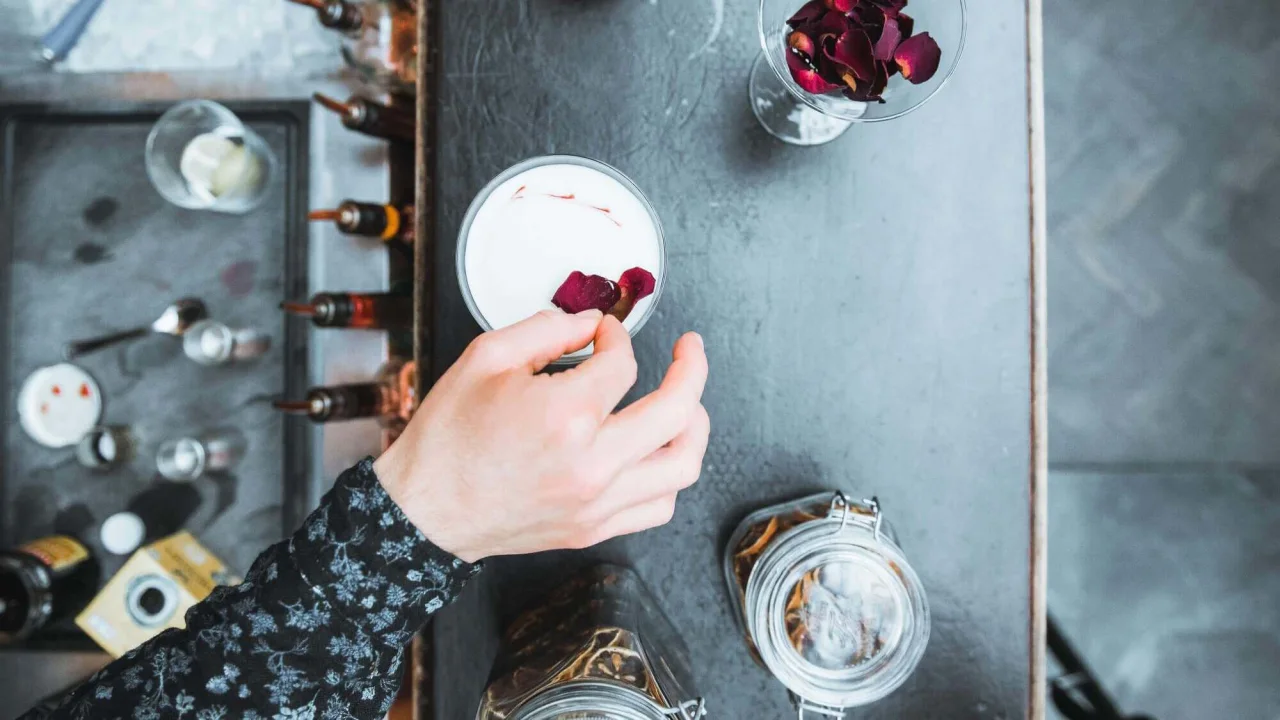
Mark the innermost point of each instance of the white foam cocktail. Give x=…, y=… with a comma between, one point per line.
x=541, y=220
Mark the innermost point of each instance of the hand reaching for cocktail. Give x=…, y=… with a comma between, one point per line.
x=501, y=460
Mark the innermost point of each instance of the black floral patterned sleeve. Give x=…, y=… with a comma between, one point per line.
x=316, y=632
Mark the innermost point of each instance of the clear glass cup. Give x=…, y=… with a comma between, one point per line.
x=190, y=458
x=210, y=342
x=201, y=156
x=660, y=273
x=798, y=117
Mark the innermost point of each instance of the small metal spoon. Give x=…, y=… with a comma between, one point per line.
x=175, y=320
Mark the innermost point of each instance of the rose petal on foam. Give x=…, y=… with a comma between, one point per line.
x=842, y=6
x=811, y=12
x=853, y=50
x=635, y=285
x=918, y=57
x=581, y=292
x=890, y=38
x=806, y=75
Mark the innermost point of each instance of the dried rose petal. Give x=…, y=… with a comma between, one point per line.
x=639, y=282
x=635, y=285
x=582, y=292
x=806, y=75
x=890, y=38
x=802, y=43
x=891, y=8
x=906, y=25
x=812, y=11
x=842, y=6
x=918, y=57
x=853, y=50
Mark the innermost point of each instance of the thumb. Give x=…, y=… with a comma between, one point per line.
x=543, y=338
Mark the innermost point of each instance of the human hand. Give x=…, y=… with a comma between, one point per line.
x=500, y=460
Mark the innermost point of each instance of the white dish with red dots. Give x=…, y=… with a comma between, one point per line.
x=59, y=404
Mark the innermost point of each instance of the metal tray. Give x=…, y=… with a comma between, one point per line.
x=867, y=308
x=88, y=246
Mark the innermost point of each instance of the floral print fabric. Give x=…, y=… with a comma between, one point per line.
x=317, y=631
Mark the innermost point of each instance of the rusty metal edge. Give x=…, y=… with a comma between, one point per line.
x=1039, y=358
x=423, y=651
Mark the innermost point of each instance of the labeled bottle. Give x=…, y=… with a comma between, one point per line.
x=827, y=600
x=372, y=118
x=43, y=582
x=380, y=39
x=597, y=647
x=358, y=311
x=388, y=223
x=391, y=398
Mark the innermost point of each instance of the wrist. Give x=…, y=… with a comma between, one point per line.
x=426, y=507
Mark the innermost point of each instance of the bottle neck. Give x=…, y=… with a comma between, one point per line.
x=340, y=15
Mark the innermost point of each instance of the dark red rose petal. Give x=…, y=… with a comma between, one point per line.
x=811, y=12
x=890, y=38
x=802, y=43
x=635, y=285
x=640, y=283
x=806, y=75
x=842, y=6
x=906, y=25
x=854, y=51
x=918, y=57
x=582, y=292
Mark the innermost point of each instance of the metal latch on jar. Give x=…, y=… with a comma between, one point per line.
x=688, y=710
x=844, y=510
x=804, y=706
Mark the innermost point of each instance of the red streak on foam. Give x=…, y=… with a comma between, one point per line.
x=519, y=195
x=607, y=213
x=84, y=390
x=57, y=390
x=44, y=408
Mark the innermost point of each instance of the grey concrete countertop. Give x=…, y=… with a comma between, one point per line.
x=871, y=309
x=263, y=49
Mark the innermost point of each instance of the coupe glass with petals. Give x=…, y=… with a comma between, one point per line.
x=800, y=117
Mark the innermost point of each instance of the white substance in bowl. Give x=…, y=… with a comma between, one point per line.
x=539, y=226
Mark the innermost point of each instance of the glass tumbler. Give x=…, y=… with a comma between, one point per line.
x=798, y=117
x=210, y=342
x=190, y=458
x=201, y=156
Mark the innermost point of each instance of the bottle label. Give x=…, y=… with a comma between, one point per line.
x=59, y=552
x=393, y=222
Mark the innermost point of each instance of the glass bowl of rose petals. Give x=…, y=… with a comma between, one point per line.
x=830, y=63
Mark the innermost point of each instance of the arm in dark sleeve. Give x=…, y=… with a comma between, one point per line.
x=317, y=630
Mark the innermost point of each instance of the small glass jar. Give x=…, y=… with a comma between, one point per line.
x=105, y=448
x=210, y=342
x=598, y=647
x=189, y=458
x=828, y=601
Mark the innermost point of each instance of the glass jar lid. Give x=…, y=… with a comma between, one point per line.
x=835, y=610
x=602, y=700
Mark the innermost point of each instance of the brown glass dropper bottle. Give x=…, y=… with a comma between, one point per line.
x=358, y=311
x=385, y=222
x=372, y=118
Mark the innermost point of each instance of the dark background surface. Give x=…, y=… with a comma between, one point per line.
x=90, y=248
x=865, y=307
